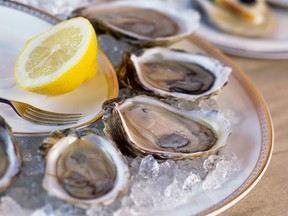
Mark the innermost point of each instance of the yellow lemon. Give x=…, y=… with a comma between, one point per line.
x=58, y=60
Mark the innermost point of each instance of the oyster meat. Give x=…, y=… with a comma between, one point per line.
x=84, y=169
x=144, y=23
x=173, y=73
x=143, y=125
x=10, y=156
x=251, y=18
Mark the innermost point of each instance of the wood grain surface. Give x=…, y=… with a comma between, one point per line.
x=270, y=196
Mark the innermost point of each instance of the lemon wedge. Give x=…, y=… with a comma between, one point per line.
x=58, y=60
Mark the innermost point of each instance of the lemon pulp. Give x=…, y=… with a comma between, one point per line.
x=58, y=60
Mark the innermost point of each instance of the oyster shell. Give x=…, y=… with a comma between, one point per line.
x=173, y=73
x=144, y=23
x=251, y=18
x=10, y=156
x=84, y=169
x=144, y=125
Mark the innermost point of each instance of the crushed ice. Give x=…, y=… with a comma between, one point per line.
x=172, y=183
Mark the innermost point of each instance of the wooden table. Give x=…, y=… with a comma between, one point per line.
x=270, y=196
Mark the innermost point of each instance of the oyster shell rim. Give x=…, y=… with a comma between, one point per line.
x=14, y=168
x=140, y=40
x=131, y=69
x=133, y=149
x=52, y=186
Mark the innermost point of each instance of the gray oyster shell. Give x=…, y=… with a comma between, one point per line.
x=172, y=73
x=83, y=168
x=144, y=125
x=10, y=156
x=143, y=23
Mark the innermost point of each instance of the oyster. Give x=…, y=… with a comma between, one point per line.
x=10, y=156
x=174, y=73
x=84, y=169
x=251, y=18
x=145, y=23
x=144, y=125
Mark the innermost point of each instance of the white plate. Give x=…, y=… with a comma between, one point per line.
x=17, y=26
x=275, y=47
x=251, y=139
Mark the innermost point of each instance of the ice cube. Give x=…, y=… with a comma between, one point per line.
x=167, y=168
x=134, y=165
x=113, y=48
x=149, y=167
x=123, y=212
x=143, y=202
x=172, y=189
x=95, y=211
x=180, y=175
x=220, y=172
x=9, y=207
x=27, y=155
x=35, y=166
x=232, y=162
x=66, y=209
x=127, y=201
x=191, y=181
x=210, y=163
x=210, y=183
x=156, y=188
x=39, y=212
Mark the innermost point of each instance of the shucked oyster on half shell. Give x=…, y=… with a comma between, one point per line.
x=84, y=170
x=144, y=23
x=143, y=125
x=251, y=18
x=10, y=156
x=174, y=73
